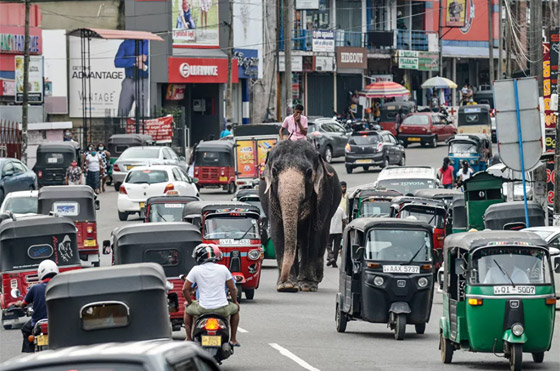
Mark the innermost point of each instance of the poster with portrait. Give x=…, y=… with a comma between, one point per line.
x=455, y=13
x=195, y=23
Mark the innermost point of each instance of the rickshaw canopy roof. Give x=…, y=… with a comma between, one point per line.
x=257, y=129
x=156, y=233
x=393, y=223
x=131, y=139
x=418, y=201
x=81, y=194
x=36, y=225
x=380, y=193
x=472, y=240
x=68, y=147
x=178, y=199
x=215, y=146
x=437, y=193
x=66, y=192
x=246, y=192
x=202, y=207
x=482, y=181
x=474, y=138
x=497, y=215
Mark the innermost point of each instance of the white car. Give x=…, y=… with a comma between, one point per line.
x=407, y=179
x=20, y=203
x=552, y=237
x=143, y=182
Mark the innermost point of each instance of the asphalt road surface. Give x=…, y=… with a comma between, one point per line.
x=283, y=331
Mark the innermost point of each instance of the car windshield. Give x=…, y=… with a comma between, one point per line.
x=432, y=216
x=406, y=186
x=473, y=118
x=166, y=212
x=462, y=147
x=21, y=205
x=416, y=120
x=544, y=234
x=374, y=208
x=139, y=153
x=55, y=158
x=505, y=265
x=146, y=176
x=225, y=227
x=209, y=158
x=398, y=245
x=363, y=140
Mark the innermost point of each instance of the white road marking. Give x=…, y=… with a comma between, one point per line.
x=286, y=353
x=243, y=331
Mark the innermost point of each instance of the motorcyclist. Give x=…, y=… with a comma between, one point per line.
x=210, y=279
x=36, y=296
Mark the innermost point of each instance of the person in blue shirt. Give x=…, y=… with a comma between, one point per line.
x=133, y=57
x=226, y=131
x=36, y=296
x=184, y=19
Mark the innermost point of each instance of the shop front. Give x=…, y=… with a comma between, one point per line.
x=350, y=63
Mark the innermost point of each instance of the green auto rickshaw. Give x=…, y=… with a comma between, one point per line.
x=498, y=295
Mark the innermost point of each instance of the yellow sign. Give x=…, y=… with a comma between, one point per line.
x=455, y=13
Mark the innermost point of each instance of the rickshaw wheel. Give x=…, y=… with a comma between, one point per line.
x=7, y=327
x=446, y=349
x=123, y=216
x=400, y=328
x=420, y=328
x=515, y=357
x=538, y=357
x=250, y=294
x=341, y=320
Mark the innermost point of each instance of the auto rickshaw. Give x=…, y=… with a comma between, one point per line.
x=118, y=143
x=167, y=208
x=458, y=215
x=79, y=203
x=474, y=119
x=214, y=165
x=388, y=114
x=234, y=227
x=167, y=244
x=24, y=244
x=475, y=149
x=498, y=295
x=481, y=191
x=439, y=194
x=370, y=202
x=53, y=159
x=386, y=275
x=511, y=215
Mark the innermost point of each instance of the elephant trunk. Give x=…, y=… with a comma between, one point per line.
x=291, y=191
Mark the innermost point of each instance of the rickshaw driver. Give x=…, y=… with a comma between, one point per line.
x=505, y=272
x=36, y=296
x=210, y=279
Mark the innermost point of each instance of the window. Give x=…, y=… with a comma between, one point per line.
x=386, y=138
x=166, y=212
x=319, y=19
x=398, y=245
x=164, y=257
x=100, y=315
x=327, y=127
x=8, y=168
x=66, y=208
x=338, y=128
x=172, y=154
x=139, y=152
x=19, y=168
x=165, y=153
x=363, y=140
x=147, y=176
x=417, y=120
x=177, y=175
x=21, y=205
x=432, y=216
x=234, y=228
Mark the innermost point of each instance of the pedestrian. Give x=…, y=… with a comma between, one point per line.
x=344, y=199
x=338, y=223
x=74, y=174
x=445, y=174
x=94, y=170
x=377, y=111
x=296, y=124
x=105, y=159
x=399, y=119
x=227, y=131
x=464, y=173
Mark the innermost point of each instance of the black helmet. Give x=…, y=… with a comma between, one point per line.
x=204, y=253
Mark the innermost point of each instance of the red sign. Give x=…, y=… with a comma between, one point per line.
x=161, y=129
x=175, y=92
x=201, y=70
x=473, y=19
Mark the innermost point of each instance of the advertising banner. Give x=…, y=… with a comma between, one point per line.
x=195, y=23
x=325, y=64
x=297, y=63
x=554, y=50
x=248, y=62
x=248, y=36
x=549, y=116
x=418, y=60
x=472, y=23
x=307, y=4
x=323, y=41
x=161, y=129
x=200, y=70
x=35, y=84
x=245, y=159
x=550, y=181
x=175, y=92
x=455, y=13
x=264, y=146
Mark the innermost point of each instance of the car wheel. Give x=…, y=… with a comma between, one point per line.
x=385, y=163
x=538, y=357
x=123, y=216
x=515, y=357
x=403, y=161
x=328, y=154
x=433, y=142
x=349, y=169
x=405, y=144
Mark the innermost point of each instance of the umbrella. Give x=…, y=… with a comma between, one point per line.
x=439, y=83
x=384, y=89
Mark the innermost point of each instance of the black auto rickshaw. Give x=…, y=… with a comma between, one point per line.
x=214, y=165
x=53, y=159
x=370, y=202
x=442, y=194
x=79, y=203
x=118, y=143
x=511, y=216
x=458, y=215
x=386, y=275
x=168, y=244
x=108, y=304
x=167, y=208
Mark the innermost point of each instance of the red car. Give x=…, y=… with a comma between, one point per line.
x=426, y=128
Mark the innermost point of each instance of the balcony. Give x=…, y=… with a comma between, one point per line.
x=412, y=40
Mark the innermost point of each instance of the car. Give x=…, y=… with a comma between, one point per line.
x=407, y=179
x=15, y=176
x=143, y=182
x=373, y=148
x=552, y=237
x=426, y=128
x=20, y=203
x=329, y=137
x=142, y=156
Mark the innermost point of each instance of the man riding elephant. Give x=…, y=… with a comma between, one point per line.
x=300, y=193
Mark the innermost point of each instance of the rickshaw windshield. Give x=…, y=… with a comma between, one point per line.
x=231, y=227
x=57, y=159
x=474, y=118
x=373, y=208
x=462, y=148
x=406, y=186
x=166, y=212
x=21, y=205
x=207, y=158
x=432, y=216
x=398, y=245
x=510, y=265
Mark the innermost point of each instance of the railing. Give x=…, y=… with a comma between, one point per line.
x=412, y=40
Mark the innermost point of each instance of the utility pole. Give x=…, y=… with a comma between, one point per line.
x=25, y=103
x=440, y=36
x=508, y=44
x=288, y=24
x=229, y=88
x=500, y=40
x=490, y=43
x=536, y=48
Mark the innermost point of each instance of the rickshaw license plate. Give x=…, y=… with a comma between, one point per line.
x=363, y=161
x=413, y=139
x=90, y=243
x=514, y=290
x=211, y=341
x=42, y=340
x=223, y=179
x=401, y=269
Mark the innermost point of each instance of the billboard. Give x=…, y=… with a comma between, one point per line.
x=195, y=23
x=474, y=21
x=35, y=83
x=113, y=69
x=248, y=35
x=161, y=128
x=455, y=13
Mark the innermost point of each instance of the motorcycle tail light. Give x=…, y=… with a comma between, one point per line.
x=212, y=324
x=169, y=187
x=122, y=190
x=45, y=328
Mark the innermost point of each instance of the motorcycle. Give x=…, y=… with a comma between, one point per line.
x=211, y=331
x=40, y=335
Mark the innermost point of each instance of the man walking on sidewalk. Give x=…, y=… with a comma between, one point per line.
x=338, y=222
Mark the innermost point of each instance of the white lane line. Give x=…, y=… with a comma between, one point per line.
x=243, y=331
x=286, y=353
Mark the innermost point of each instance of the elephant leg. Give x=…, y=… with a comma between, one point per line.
x=322, y=241
x=306, y=280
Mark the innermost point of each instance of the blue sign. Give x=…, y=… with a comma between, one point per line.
x=248, y=62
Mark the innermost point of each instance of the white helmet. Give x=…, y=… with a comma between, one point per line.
x=47, y=267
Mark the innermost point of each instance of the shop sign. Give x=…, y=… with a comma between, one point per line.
x=549, y=116
x=418, y=60
x=297, y=63
x=248, y=62
x=188, y=29
x=554, y=50
x=201, y=70
x=456, y=13
x=161, y=128
x=7, y=88
x=379, y=78
x=351, y=58
x=307, y=4
x=12, y=40
x=324, y=64
x=323, y=41
x=550, y=182
x=408, y=63
x=35, y=86
x=175, y=92
x=550, y=140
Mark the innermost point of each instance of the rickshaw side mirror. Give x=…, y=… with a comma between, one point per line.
x=106, y=247
x=358, y=251
x=556, y=264
x=97, y=207
x=460, y=266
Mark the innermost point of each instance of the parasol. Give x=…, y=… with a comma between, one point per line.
x=384, y=89
x=439, y=83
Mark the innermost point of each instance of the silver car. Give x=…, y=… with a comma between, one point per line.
x=144, y=156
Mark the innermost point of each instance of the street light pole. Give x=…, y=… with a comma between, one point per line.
x=25, y=101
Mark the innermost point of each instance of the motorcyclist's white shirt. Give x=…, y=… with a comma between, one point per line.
x=210, y=279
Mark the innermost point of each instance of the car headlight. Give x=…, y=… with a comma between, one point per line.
x=423, y=282
x=517, y=329
x=378, y=281
x=254, y=254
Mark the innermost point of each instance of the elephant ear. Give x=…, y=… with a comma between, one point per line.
x=320, y=173
x=267, y=174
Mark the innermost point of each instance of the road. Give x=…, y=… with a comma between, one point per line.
x=283, y=331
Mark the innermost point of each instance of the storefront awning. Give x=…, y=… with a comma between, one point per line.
x=198, y=53
x=115, y=34
x=467, y=52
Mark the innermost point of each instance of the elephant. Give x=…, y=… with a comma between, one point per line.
x=299, y=193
